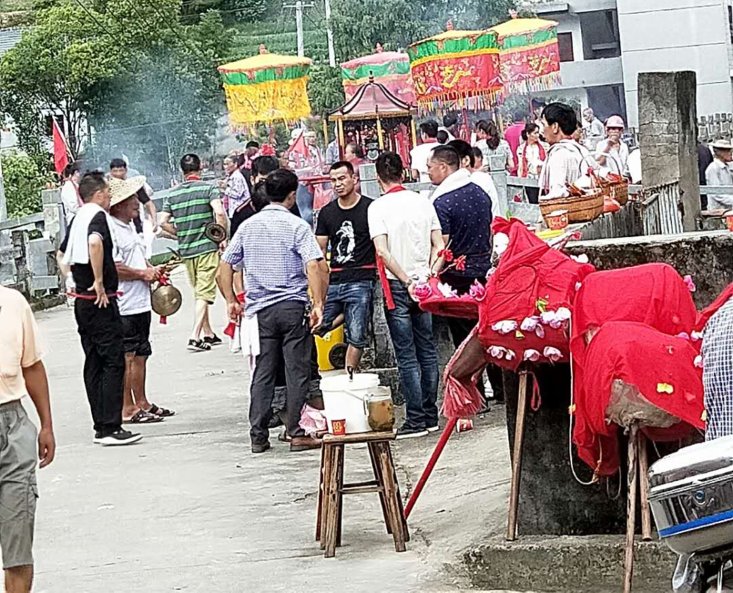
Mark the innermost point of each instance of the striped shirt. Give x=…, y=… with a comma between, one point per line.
x=190, y=206
x=273, y=247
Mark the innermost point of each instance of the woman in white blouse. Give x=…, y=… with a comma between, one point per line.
x=492, y=144
x=531, y=155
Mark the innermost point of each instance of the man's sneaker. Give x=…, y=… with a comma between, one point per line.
x=260, y=447
x=435, y=428
x=410, y=432
x=212, y=340
x=198, y=346
x=116, y=439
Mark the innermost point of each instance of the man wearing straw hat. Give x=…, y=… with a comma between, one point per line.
x=136, y=275
x=719, y=174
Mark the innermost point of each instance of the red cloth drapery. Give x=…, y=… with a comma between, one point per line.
x=60, y=151
x=530, y=277
x=660, y=366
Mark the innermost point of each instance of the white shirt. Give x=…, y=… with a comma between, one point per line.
x=408, y=220
x=130, y=250
x=566, y=162
x=718, y=173
x=419, y=159
x=486, y=183
x=594, y=132
x=617, y=158
x=70, y=200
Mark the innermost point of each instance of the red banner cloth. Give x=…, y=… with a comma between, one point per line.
x=531, y=277
x=454, y=77
x=60, y=152
x=660, y=366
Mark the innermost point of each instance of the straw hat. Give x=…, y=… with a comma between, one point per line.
x=722, y=145
x=122, y=189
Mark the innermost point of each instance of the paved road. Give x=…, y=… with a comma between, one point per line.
x=190, y=509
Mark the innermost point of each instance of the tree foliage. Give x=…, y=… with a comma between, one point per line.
x=325, y=90
x=360, y=24
x=146, y=83
x=23, y=181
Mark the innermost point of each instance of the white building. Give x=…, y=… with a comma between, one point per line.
x=605, y=44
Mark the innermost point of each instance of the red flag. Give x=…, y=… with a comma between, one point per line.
x=60, y=153
x=299, y=146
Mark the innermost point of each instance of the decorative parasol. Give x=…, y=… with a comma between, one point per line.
x=458, y=67
x=528, y=54
x=266, y=88
x=389, y=68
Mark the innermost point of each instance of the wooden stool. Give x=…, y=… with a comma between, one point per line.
x=332, y=488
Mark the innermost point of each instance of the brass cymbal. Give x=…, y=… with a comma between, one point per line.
x=166, y=300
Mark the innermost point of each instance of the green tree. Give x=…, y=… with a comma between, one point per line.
x=325, y=90
x=360, y=24
x=23, y=181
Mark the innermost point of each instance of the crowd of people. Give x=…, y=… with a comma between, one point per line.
x=284, y=280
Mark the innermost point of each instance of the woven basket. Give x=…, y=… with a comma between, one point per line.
x=620, y=192
x=580, y=209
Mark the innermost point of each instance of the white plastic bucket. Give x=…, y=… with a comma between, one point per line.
x=343, y=399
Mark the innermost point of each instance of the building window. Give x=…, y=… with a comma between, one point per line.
x=565, y=43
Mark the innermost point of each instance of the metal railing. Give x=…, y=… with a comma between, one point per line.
x=661, y=209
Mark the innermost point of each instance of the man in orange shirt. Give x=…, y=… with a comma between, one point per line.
x=22, y=374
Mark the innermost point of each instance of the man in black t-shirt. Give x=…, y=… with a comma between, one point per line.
x=344, y=227
x=88, y=249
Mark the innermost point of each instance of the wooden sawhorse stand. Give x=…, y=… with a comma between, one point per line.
x=332, y=488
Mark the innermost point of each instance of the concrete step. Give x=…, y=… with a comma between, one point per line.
x=569, y=564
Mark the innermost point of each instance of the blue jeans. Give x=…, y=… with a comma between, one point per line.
x=411, y=330
x=354, y=300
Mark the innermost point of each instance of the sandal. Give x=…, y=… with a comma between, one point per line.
x=143, y=417
x=161, y=412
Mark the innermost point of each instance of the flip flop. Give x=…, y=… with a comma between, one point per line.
x=143, y=417
x=161, y=412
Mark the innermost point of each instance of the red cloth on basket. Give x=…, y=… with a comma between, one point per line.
x=531, y=277
x=432, y=300
x=652, y=362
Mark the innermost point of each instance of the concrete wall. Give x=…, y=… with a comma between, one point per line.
x=673, y=35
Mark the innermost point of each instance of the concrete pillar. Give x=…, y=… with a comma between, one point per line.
x=552, y=502
x=668, y=136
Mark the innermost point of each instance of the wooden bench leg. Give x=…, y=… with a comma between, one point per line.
x=633, y=474
x=374, y=458
x=391, y=496
x=399, y=494
x=646, y=517
x=333, y=502
x=325, y=454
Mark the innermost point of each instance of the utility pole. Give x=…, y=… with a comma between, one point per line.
x=329, y=33
x=299, y=6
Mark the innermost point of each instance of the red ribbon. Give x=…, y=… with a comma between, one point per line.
x=92, y=297
x=163, y=281
x=395, y=189
x=386, y=289
x=230, y=329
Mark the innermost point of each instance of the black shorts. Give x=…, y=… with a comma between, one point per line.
x=136, y=334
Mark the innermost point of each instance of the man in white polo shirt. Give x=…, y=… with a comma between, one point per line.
x=136, y=275
x=407, y=236
x=21, y=373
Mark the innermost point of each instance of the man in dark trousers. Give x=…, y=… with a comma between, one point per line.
x=88, y=249
x=282, y=263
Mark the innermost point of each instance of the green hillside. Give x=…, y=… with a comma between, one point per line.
x=280, y=38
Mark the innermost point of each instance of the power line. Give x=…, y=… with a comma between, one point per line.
x=94, y=18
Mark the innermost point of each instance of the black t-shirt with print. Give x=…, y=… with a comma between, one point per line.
x=82, y=273
x=352, y=250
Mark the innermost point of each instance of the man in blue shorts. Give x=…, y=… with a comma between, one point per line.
x=343, y=226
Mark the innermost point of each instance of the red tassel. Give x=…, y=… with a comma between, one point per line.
x=163, y=320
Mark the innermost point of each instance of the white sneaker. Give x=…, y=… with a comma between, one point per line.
x=435, y=428
x=119, y=438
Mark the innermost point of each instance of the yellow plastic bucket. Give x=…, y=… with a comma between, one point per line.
x=325, y=344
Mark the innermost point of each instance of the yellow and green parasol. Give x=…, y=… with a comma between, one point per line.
x=266, y=88
x=528, y=54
